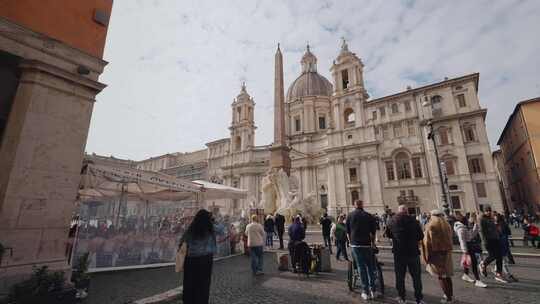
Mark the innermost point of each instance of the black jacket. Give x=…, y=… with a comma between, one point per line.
x=326, y=224
x=361, y=227
x=280, y=223
x=269, y=225
x=405, y=232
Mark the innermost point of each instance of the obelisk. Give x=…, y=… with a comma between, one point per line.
x=279, y=152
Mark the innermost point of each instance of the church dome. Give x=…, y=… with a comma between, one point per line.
x=309, y=83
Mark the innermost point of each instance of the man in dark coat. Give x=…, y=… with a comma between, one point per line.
x=326, y=224
x=280, y=228
x=405, y=232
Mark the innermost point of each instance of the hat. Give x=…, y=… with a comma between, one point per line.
x=437, y=212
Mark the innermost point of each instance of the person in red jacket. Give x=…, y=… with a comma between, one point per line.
x=531, y=232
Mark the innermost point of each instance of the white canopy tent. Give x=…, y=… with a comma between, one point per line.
x=107, y=181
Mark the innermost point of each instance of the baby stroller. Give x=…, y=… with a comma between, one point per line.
x=302, y=258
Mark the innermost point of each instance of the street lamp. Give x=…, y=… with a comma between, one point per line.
x=442, y=173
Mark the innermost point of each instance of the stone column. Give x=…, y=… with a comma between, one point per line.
x=40, y=160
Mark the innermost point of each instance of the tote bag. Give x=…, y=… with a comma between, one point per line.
x=181, y=257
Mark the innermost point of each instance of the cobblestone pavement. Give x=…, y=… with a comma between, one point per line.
x=125, y=286
x=233, y=283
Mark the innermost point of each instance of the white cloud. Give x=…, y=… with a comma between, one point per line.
x=175, y=67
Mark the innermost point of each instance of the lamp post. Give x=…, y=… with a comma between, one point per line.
x=443, y=179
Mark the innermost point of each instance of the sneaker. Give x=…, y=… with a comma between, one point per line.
x=480, y=284
x=483, y=269
x=513, y=278
x=445, y=300
x=400, y=300
x=500, y=278
x=364, y=296
x=373, y=295
x=420, y=302
x=465, y=277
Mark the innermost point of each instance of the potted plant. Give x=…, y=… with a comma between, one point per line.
x=44, y=287
x=80, y=276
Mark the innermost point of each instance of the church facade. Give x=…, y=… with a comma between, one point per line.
x=345, y=146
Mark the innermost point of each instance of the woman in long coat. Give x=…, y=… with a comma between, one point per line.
x=437, y=252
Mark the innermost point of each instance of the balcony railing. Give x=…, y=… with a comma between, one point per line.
x=407, y=199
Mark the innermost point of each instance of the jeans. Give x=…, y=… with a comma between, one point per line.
x=341, y=249
x=280, y=236
x=270, y=238
x=366, y=267
x=474, y=265
x=256, y=254
x=327, y=242
x=494, y=253
x=401, y=263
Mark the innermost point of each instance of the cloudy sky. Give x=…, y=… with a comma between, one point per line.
x=176, y=66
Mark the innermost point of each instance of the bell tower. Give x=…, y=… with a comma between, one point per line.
x=243, y=122
x=349, y=90
x=347, y=70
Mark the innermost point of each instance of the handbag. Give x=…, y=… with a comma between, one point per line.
x=466, y=260
x=180, y=257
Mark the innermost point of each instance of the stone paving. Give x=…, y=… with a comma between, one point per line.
x=233, y=283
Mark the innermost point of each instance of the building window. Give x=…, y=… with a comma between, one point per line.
x=395, y=108
x=475, y=165
x=382, y=110
x=322, y=122
x=353, y=178
x=461, y=100
x=403, y=166
x=376, y=129
x=456, y=203
x=385, y=131
x=354, y=196
x=453, y=187
x=411, y=128
x=443, y=136
x=390, y=170
x=469, y=132
x=436, y=105
x=449, y=165
x=345, y=79
x=407, y=106
x=417, y=167
x=374, y=115
x=397, y=130
x=238, y=143
x=349, y=116
x=481, y=190
x=297, y=125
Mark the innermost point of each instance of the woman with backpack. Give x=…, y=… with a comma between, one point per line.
x=470, y=247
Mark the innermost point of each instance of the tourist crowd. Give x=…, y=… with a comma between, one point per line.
x=428, y=237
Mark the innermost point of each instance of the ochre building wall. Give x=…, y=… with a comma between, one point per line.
x=70, y=21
